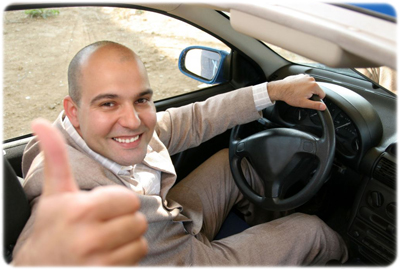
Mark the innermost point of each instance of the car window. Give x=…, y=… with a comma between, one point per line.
x=39, y=44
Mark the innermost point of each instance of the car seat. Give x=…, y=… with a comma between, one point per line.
x=16, y=209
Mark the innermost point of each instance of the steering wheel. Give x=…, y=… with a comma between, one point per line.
x=276, y=155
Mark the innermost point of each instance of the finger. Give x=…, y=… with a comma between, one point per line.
x=121, y=231
x=313, y=86
x=129, y=254
x=320, y=106
x=318, y=91
x=314, y=105
x=105, y=203
x=58, y=175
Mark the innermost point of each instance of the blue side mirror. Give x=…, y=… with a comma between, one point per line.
x=203, y=64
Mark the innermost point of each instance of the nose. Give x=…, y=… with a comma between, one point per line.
x=129, y=118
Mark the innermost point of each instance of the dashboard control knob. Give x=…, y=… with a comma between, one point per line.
x=375, y=199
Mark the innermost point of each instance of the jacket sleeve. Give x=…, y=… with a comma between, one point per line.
x=189, y=126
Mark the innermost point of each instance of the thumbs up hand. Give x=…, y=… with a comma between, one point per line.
x=73, y=227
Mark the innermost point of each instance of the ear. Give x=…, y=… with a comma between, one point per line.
x=71, y=110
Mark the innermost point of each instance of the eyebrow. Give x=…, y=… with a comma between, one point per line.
x=113, y=96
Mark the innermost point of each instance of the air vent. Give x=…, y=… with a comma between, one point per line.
x=385, y=172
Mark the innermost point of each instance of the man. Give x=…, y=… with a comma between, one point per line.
x=115, y=137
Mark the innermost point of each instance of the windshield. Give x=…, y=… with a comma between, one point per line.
x=383, y=76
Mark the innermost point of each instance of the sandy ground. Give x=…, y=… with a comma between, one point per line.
x=37, y=52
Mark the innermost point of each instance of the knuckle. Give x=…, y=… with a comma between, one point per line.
x=145, y=245
x=80, y=210
x=141, y=221
x=140, y=248
x=80, y=249
x=105, y=260
x=86, y=244
x=135, y=199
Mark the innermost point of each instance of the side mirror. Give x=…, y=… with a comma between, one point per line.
x=203, y=64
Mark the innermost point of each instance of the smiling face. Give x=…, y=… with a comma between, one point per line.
x=115, y=114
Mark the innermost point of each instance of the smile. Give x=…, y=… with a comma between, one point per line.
x=131, y=140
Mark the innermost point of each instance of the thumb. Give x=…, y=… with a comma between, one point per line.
x=57, y=172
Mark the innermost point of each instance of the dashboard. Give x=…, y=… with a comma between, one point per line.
x=358, y=127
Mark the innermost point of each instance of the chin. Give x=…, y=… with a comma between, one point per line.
x=132, y=160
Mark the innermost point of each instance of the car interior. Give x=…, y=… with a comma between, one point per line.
x=356, y=195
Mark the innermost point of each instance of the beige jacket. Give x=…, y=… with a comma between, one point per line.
x=171, y=229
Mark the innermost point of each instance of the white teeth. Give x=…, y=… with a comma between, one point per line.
x=131, y=140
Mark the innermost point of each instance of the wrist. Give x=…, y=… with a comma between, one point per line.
x=273, y=90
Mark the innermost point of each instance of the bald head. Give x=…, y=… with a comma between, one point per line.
x=98, y=51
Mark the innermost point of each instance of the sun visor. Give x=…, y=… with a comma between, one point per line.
x=334, y=40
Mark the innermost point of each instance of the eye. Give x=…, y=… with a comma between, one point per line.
x=107, y=104
x=142, y=100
